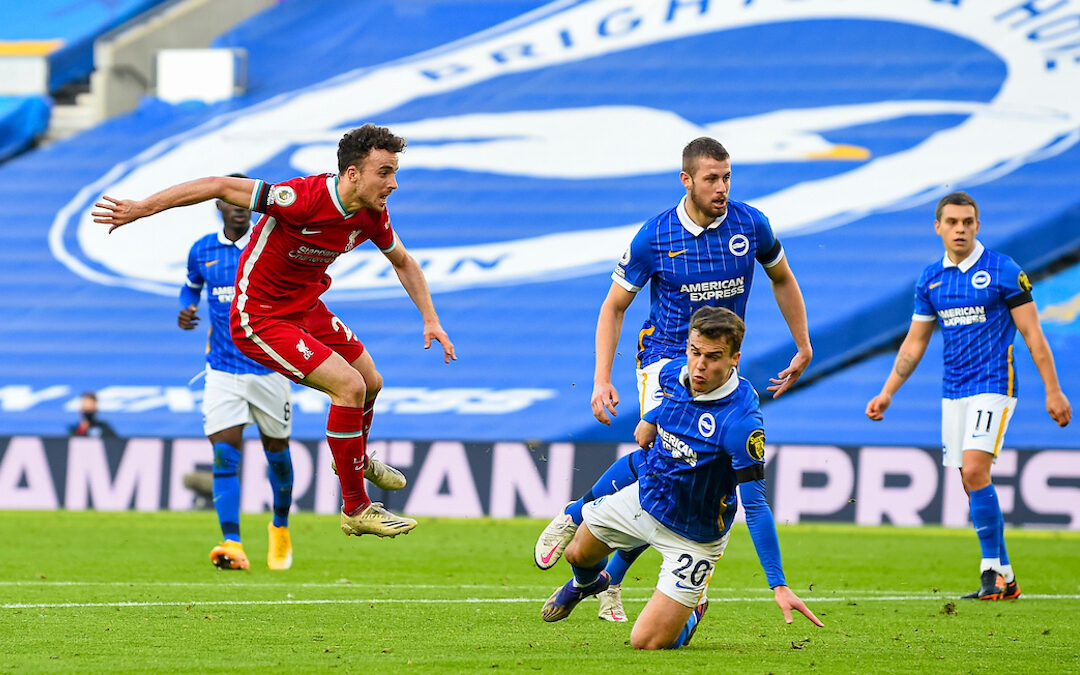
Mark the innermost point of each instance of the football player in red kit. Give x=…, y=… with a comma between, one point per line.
x=277, y=317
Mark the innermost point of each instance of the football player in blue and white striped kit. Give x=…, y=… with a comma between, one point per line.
x=980, y=298
x=238, y=392
x=704, y=438
x=702, y=252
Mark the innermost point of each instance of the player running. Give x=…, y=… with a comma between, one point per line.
x=709, y=437
x=699, y=253
x=980, y=298
x=277, y=318
x=238, y=392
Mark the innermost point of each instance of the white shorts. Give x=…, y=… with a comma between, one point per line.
x=648, y=386
x=619, y=521
x=238, y=400
x=974, y=422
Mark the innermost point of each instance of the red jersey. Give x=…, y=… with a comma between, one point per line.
x=304, y=228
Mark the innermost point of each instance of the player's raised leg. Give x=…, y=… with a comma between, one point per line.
x=560, y=531
x=345, y=383
x=229, y=554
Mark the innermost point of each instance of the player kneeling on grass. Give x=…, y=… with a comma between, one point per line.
x=711, y=439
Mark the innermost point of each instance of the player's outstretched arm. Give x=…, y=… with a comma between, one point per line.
x=118, y=212
x=1026, y=318
x=759, y=520
x=789, y=299
x=911, y=352
x=787, y=600
x=608, y=328
x=413, y=281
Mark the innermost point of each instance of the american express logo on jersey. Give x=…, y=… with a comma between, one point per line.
x=962, y=316
x=714, y=290
x=224, y=293
x=676, y=446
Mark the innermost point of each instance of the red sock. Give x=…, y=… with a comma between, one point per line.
x=369, y=412
x=345, y=435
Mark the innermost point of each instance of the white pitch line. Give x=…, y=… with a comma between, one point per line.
x=467, y=601
x=346, y=583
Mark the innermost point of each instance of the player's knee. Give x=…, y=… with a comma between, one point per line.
x=374, y=386
x=646, y=639
x=353, y=391
x=275, y=444
x=975, y=480
x=573, y=554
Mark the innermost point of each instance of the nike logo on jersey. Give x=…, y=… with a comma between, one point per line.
x=672, y=254
x=936, y=284
x=211, y=263
x=307, y=231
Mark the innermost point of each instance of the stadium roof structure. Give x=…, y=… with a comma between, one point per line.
x=541, y=136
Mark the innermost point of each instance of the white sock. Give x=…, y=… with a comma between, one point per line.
x=1007, y=572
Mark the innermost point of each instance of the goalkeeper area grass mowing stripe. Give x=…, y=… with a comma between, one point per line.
x=135, y=592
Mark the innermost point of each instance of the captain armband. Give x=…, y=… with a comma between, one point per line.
x=750, y=473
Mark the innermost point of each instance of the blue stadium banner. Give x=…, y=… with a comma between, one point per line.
x=866, y=485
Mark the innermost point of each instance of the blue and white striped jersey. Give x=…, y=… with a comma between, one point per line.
x=705, y=445
x=972, y=302
x=688, y=267
x=212, y=263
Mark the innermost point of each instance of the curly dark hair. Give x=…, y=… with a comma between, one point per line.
x=357, y=143
x=702, y=147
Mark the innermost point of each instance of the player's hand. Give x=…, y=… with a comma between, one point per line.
x=877, y=406
x=188, y=318
x=116, y=212
x=1058, y=407
x=645, y=434
x=790, y=375
x=787, y=600
x=435, y=332
x=604, y=399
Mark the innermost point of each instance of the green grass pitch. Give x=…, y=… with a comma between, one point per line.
x=135, y=592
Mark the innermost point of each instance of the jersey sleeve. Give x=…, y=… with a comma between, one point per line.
x=384, y=236
x=292, y=202
x=924, y=311
x=745, y=442
x=769, y=251
x=1015, y=287
x=762, y=527
x=191, y=291
x=636, y=266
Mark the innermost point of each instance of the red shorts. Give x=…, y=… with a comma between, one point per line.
x=296, y=344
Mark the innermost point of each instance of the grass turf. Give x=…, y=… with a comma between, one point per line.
x=105, y=592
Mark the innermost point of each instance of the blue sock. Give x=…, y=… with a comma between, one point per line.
x=618, y=475
x=280, y=472
x=691, y=623
x=620, y=563
x=986, y=517
x=1002, y=553
x=227, y=490
x=583, y=576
